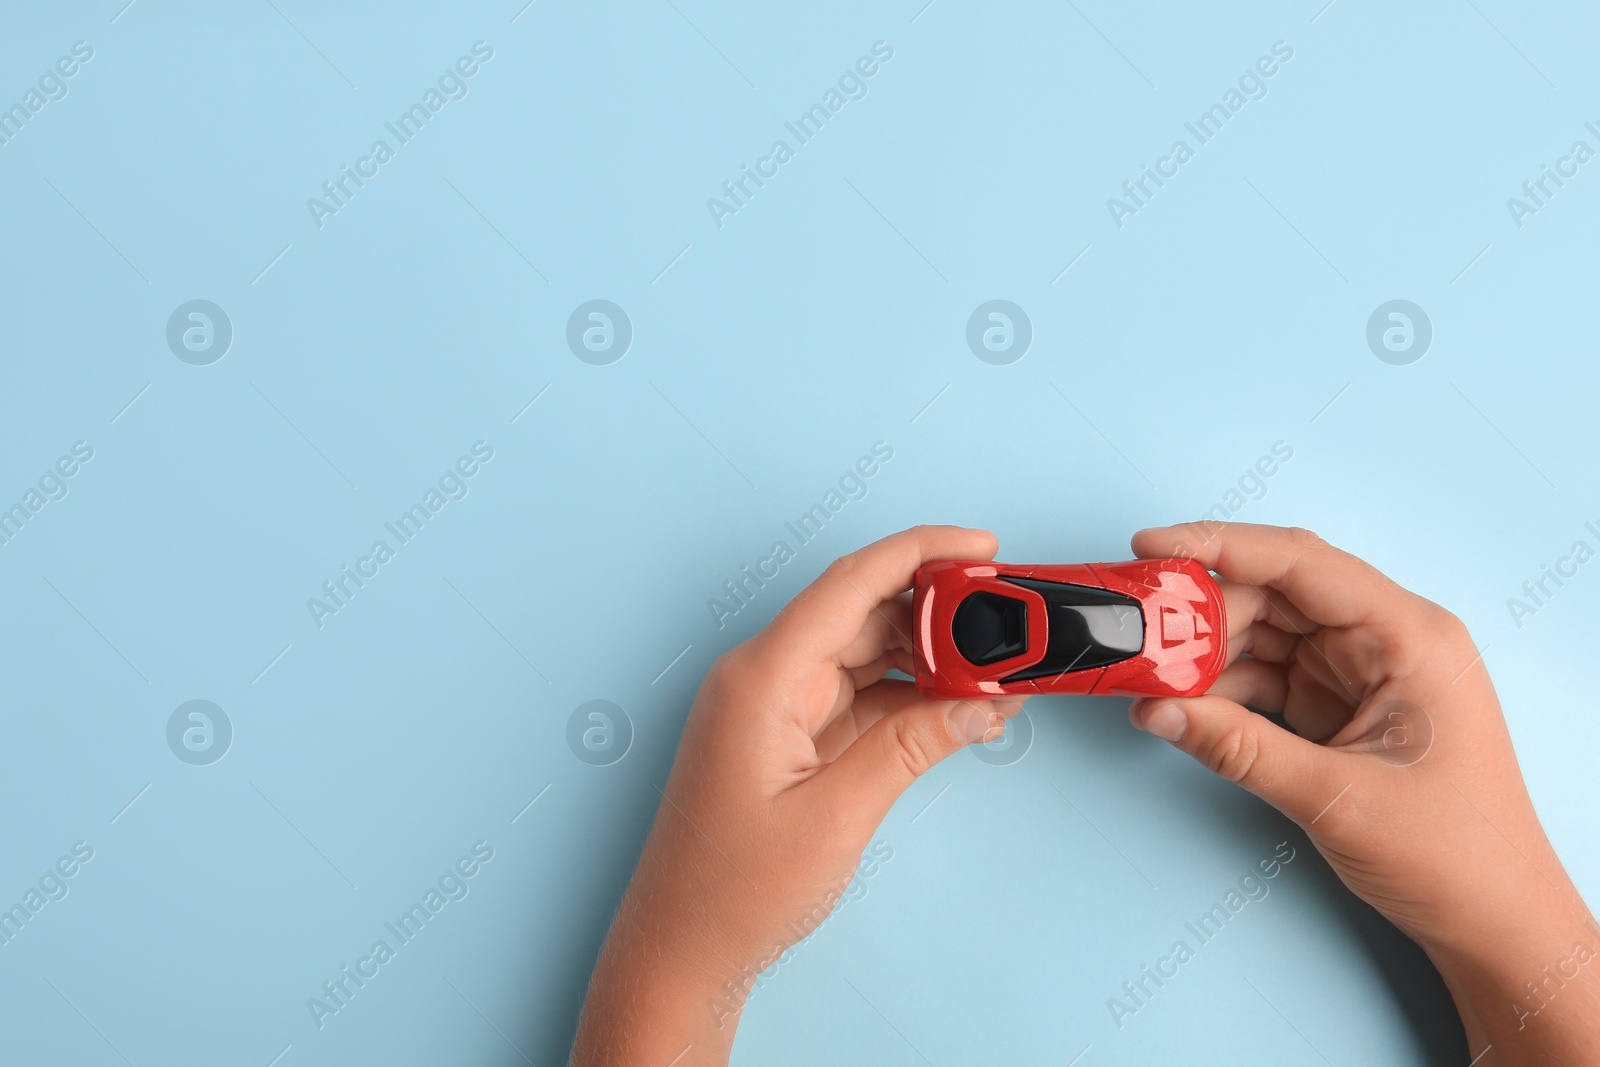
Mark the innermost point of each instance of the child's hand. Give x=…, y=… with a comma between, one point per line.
x=1402, y=773
x=795, y=750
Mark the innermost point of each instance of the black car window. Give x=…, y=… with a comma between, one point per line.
x=1088, y=628
x=988, y=628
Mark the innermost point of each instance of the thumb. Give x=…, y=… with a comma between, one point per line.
x=1296, y=776
x=865, y=780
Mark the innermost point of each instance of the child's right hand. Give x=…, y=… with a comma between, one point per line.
x=1401, y=770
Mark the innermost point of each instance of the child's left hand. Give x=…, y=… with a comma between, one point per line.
x=794, y=751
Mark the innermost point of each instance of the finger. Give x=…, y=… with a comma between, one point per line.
x=1255, y=684
x=828, y=615
x=885, y=630
x=852, y=678
x=849, y=682
x=1292, y=774
x=870, y=704
x=1331, y=587
x=1269, y=637
x=868, y=776
x=1263, y=641
x=1249, y=604
x=1311, y=655
x=1315, y=710
x=859, y=678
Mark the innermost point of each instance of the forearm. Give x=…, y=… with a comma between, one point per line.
x=662, y=992
x=644, y=1008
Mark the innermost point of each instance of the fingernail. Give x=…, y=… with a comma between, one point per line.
x=1166, y=721
x=969, y=722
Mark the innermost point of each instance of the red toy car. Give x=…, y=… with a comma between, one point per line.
x=1148, y=627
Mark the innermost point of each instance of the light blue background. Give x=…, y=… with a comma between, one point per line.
x=1227, y=315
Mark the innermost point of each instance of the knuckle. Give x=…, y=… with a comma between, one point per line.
x=729, y=662
x=910, y=746
x=731, y=671
x=845, y=566
x=1444, y=625
x=1303, y=539
x=1449, y=623
x=841, y=820
x=1233, y=754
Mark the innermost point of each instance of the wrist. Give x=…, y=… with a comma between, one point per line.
x=1490, y=931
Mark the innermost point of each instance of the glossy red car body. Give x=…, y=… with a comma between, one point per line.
x=1150, y=627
